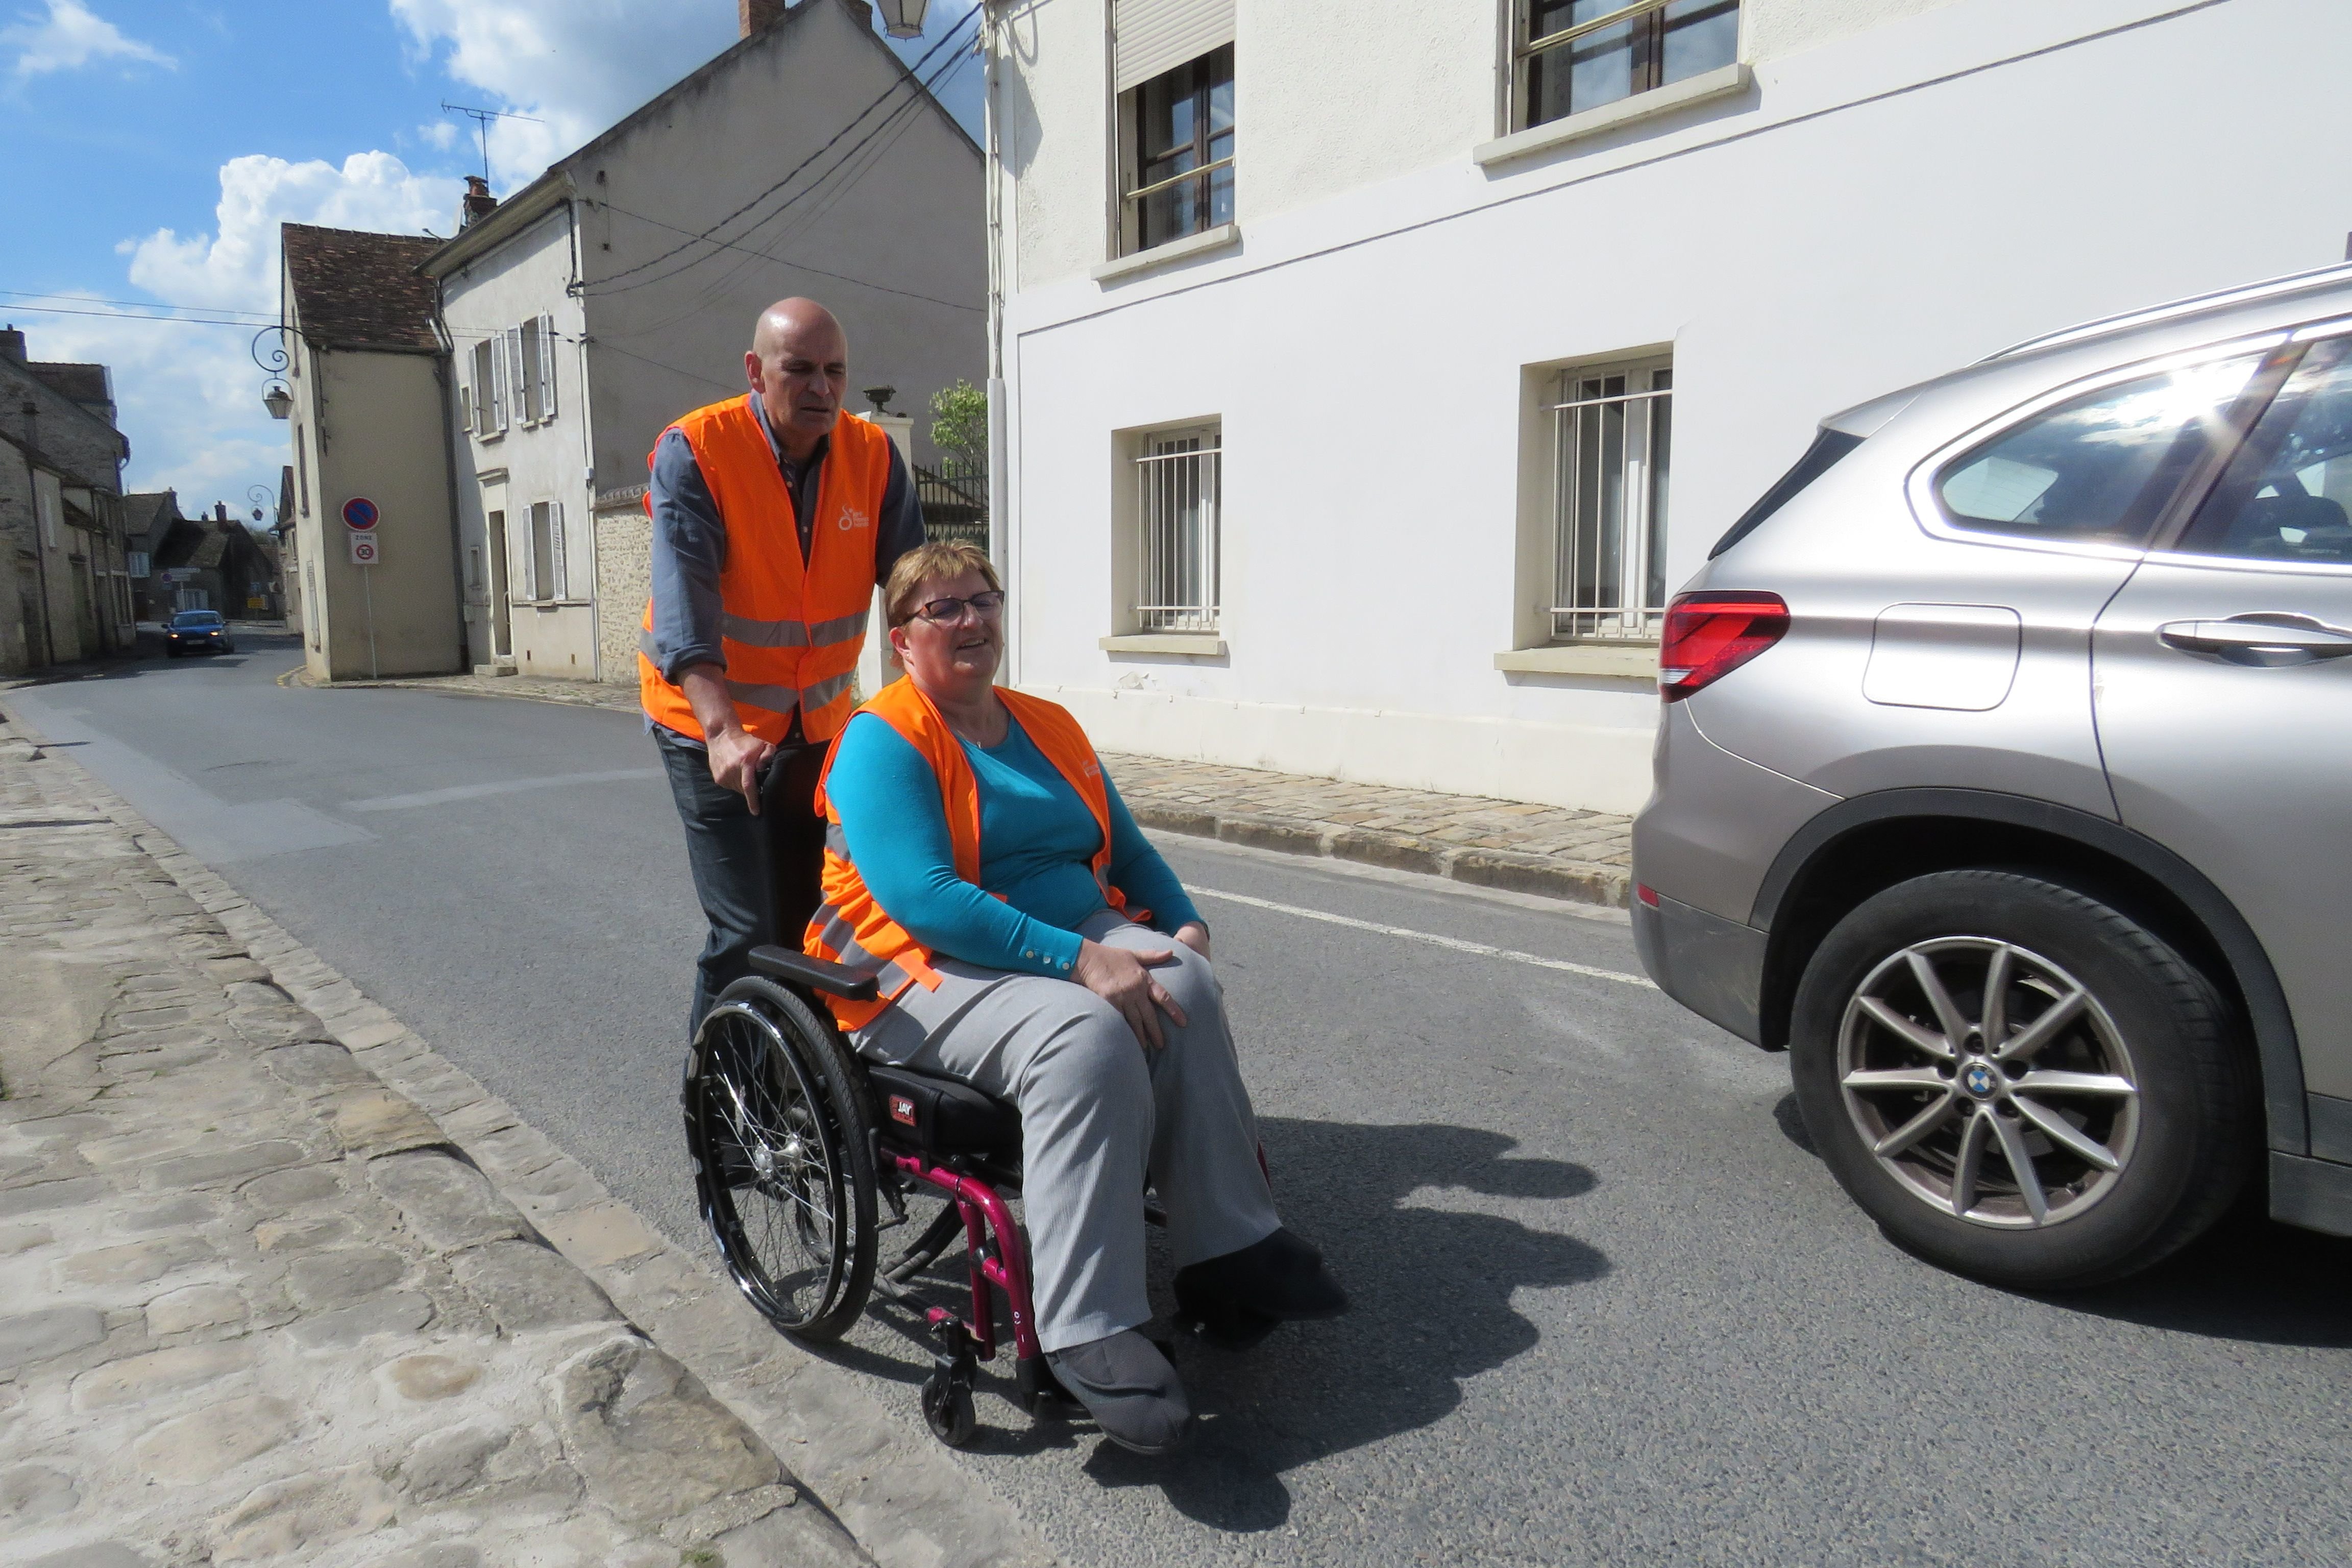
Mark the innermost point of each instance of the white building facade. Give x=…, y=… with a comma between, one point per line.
x=618, y=290
x=1370, y=371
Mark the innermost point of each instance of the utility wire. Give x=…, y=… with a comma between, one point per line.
x=790, y=264
x=133, y=316
x=912, y=73
x=901, y=116
x=260, y=318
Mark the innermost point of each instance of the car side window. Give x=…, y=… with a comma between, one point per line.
x=2284, y=496
x=2100, y=468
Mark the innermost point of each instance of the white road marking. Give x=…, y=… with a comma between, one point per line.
x=502, y=786
x=1457, y=944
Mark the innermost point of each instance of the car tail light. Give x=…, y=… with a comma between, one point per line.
x=1709, y=635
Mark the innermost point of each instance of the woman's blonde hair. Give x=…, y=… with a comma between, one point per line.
x=925, y=561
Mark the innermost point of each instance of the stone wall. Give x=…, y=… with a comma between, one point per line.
x=625, y=541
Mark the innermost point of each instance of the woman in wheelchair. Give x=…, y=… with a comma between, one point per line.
x=1029, y=941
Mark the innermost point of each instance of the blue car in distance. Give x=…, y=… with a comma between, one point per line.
x=196, y=631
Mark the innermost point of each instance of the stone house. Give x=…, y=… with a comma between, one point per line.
x=65, y=594
x=371, y=431
x=613, y=293
x=1597, y=269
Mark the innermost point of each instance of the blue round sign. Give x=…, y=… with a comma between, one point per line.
x=359, y=512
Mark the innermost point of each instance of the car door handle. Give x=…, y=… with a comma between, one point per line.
x=2268, y=638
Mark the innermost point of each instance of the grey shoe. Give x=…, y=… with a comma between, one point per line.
x=1130, y=1389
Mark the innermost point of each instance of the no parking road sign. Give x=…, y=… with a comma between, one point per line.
x=364, y=551
x=360, y=514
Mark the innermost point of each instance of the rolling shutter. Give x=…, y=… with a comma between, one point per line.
x=1153, y=36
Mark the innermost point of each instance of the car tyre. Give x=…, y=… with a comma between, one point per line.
x=1863, y=1042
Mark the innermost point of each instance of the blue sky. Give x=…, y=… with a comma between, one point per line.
x=150, y=148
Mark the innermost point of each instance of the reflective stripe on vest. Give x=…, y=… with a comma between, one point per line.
x=849, y=927
x=789, y=628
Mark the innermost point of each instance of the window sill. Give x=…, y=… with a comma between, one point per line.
x=1195, y=644
x=1720, y=82
x=1192, y=245
x=1620, y=661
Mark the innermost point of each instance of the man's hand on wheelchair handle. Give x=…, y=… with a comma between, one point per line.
x=1122, y=977
x=737, y=755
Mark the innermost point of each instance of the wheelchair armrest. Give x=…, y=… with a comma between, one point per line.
x=816, y=974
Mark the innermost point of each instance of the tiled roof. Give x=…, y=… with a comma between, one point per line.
x=353, y=290
x=143, y=510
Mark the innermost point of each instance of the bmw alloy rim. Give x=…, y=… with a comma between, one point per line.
x=1988, y=1081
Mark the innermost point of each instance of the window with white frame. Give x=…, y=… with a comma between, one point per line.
x=1569, y=55
x=1612, y=429
x=1180, y=482
x=535, y=368
x=1173, y=68
x=548, y=579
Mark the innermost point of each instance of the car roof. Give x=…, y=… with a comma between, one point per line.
x=2317, y=280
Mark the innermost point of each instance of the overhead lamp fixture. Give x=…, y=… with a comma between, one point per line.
x=279, y=401
x=904, y=18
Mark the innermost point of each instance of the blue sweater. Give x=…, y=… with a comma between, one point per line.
x=1037, y=838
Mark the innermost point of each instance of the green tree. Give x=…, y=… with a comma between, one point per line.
x=960, y=425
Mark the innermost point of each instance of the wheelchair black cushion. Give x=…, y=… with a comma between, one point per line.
x=942, y=1115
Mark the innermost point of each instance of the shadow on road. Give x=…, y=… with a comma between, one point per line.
x=2250, y=1279
x=148, y=656
x=1431, y=1280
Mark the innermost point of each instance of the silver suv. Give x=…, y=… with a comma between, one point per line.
x=2005, y=779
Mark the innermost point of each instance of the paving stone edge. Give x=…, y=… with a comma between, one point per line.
x=1517, y=870
x=898, y=1494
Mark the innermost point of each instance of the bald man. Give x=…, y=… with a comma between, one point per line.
x=775, y=516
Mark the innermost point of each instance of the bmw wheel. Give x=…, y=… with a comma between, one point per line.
x=2020, y=1082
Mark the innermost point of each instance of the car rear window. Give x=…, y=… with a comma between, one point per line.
x=2100, y=468
x=1827, y=447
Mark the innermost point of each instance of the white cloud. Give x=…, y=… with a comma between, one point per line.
x=189, y=396
x=236, y=266
x=69, y=38
x=576, y=66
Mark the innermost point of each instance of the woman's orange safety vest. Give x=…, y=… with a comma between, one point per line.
x=849, y=927
x=790, y=631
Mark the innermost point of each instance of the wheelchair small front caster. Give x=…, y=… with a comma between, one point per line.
x=946, y=1407
x=947, y=1393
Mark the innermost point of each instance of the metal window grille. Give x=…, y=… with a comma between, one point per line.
x=1612, y=439
x=1178, y=486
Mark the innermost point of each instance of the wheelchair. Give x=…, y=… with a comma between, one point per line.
x=803, y=1152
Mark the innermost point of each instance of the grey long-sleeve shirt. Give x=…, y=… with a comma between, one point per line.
x=689, y=543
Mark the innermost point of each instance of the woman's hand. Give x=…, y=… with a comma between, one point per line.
x=1122, y=977
x=1195, y=935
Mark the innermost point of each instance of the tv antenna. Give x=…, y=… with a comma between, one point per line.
x=482, y=118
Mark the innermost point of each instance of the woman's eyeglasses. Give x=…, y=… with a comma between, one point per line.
x=987, y=605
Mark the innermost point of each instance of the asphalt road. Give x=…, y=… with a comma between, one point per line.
x=1609, y=1308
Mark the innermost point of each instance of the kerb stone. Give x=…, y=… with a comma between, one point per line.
x=649, y=1439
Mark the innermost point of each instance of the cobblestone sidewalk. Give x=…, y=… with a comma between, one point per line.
x=257, y=1304
x=1583, y=856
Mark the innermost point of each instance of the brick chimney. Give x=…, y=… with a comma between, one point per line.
x=12, y=344
x=477, y=204
x=758, y=16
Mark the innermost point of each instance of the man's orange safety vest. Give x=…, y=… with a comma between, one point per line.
x=849, y=927
x=790, y=631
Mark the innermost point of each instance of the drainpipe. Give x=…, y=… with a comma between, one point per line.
x=1000, y=487
x=443, y=375
x=587, y=451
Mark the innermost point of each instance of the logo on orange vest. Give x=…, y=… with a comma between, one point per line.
x=851, y=518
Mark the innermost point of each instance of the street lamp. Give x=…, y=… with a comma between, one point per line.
x=279, y=401
x=904, y=18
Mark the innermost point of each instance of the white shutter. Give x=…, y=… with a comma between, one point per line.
x=1152, y=37
x=464, y=407
x=547, y=367
x=560, y=579
x=497, y=346
x=516, y=375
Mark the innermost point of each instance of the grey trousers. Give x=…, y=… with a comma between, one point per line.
x=1099, y=1112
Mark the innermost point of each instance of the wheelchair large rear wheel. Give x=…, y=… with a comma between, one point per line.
x=776, y=1125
